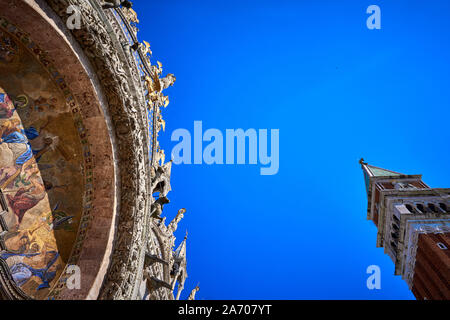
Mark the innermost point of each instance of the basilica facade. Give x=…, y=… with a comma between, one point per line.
x=83, y=179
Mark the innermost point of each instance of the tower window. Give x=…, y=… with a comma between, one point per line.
x=410, y=208
x=442, y=246
x=393, y=245
x=398, y=185
x=443, y=206
x=420, y=207
x=432, y=207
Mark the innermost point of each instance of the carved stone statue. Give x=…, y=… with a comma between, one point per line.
x=161, y=157
x=112, y=4
x=161, y=179
x=157, y=207
x=161, y=123
x=167, y=81
x=145, y=48
x=173, y=225
x=131, y=15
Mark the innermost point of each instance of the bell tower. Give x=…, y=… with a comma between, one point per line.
x=413, y=222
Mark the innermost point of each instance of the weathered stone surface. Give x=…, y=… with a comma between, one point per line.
x=123, y=251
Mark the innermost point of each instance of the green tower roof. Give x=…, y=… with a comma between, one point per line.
x=380, y=172
x=372, y=171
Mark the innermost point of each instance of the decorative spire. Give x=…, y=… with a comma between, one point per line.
x=193, y=292
x=180, y=252
x=373, y=171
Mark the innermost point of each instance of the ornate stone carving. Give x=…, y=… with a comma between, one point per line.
x=143, y=263
x=129, y=117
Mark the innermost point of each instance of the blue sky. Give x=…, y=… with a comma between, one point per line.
x=338, y=92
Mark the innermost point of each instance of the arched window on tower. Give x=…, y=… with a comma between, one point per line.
x=404, y=185
x=394, y=246
x=410, y=208
x=420, y=208
x=442, y=246
x=399, y=185
x=396, y=219
x=432, y=207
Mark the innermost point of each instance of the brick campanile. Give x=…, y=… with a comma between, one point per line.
x=413, y=222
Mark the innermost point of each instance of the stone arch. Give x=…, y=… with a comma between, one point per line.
x=123, y=89
x=37, y=28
